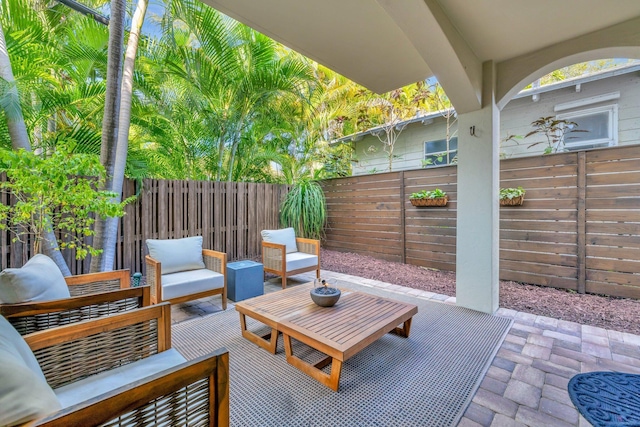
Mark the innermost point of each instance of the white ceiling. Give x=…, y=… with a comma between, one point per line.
x=385, y=44
x=503, y=29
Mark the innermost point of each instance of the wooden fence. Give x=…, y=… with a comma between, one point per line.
x=229, y=216
x=579, y=227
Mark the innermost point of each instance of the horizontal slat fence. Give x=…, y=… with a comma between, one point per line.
x=539, y=240
x=613, y=221
x=228, y=215
x=431, y=232
x=578, y=229
x=365, y=215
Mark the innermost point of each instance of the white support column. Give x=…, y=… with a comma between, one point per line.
x=478, y=234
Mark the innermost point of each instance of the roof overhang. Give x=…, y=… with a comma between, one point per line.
x=386, y=44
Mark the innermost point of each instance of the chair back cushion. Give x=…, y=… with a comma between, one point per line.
x=24, y=392
x=177, y=254
x=285, y=236
x=39, y=279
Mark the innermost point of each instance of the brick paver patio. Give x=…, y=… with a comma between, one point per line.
x=526, y=384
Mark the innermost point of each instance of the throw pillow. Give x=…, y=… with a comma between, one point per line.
x=177, y=254
x=24, y=392
x=285, y=236
x=39, y=279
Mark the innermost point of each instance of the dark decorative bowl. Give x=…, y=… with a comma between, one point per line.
x=325, y=296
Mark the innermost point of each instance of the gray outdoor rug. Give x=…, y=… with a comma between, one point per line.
x=427, y=379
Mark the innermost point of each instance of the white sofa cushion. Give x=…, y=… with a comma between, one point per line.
x=299, y=260
x=177, y=254
x=177, y=285
x=39, y=279
x=24, y=392
x=286, y=236
x=95, y=385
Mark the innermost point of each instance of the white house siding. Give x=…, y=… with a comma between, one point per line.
x=518, y=114
x=516, y=119
x=409, y=148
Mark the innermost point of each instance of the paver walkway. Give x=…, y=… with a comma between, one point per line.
x=526, y=384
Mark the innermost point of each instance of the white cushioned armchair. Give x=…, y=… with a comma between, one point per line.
x=179, y=270
x=284, y=254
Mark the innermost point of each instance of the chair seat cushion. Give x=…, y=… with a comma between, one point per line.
x=177, y=285
x=298, y=260
x=39, y=279
x=95, y=385
x=24, y=392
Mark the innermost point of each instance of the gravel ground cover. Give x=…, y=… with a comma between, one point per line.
x=620, y=314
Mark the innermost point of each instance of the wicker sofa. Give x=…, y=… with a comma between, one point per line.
x=284, y=254
x=179, y=270
x=118, y=370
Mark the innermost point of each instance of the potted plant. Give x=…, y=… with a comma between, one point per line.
x=435, y=197
x=512, y=196
x=324, y=295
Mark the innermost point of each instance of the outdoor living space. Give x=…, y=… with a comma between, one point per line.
x=181, y=179
x=525, y=384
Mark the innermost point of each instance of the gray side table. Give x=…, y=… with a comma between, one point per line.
x=245, y=279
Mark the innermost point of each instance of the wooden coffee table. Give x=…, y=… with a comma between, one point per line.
x=339, y=332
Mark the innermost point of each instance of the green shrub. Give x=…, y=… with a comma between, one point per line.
x=305, y=210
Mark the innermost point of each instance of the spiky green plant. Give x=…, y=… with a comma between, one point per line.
x=305, y=210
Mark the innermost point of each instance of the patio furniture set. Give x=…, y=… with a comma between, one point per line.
x=89, y=349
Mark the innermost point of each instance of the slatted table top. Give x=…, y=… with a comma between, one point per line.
x=357, y=320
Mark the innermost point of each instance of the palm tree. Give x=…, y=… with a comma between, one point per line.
x=106, y=231
x=231, y=72
x=16, y=126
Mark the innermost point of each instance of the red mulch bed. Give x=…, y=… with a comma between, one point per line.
x=619, y=314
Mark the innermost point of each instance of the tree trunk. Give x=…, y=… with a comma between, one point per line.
x=234, y=149
x=13, y=111
x=110, y=120
x=20, y=140
x=110, y=231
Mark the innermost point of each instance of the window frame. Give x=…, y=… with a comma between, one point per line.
x=446, y=153
x=610, y=141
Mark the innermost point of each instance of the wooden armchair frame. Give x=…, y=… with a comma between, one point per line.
x=202, y=383
x=213, y=260
x=92, y=295
x=274, y=258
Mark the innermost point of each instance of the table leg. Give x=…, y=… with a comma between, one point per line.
x=268, y=344
x=404, y=330
x=331, y=380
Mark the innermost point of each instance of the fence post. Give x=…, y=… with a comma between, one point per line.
x=582, y=218
x=403, y=234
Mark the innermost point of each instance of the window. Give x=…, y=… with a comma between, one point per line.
x=437, y=153
x=600, y=124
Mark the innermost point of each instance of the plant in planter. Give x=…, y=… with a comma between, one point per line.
x=512, y=196
x=324, y=295
x=435, y=197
